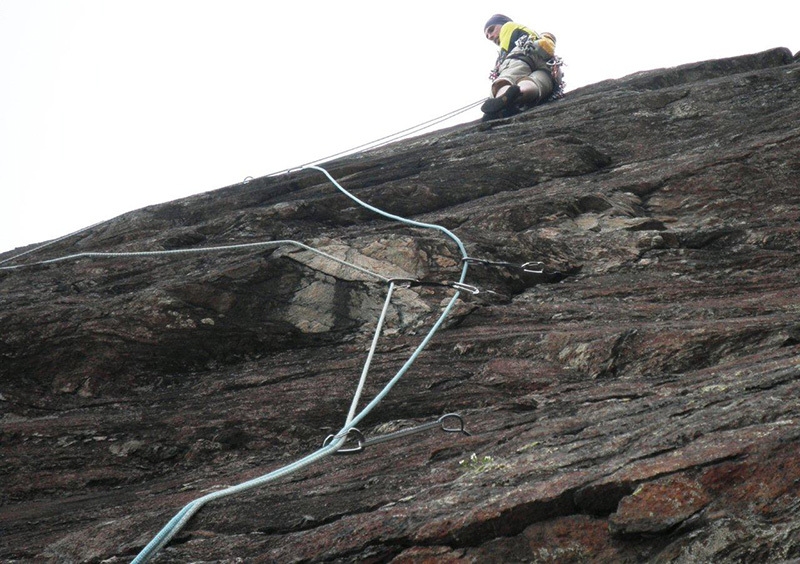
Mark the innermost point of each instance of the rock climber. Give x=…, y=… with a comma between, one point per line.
x=526, y=72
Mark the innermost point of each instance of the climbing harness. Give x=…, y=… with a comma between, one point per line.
x=528, y=50
x=449, y=423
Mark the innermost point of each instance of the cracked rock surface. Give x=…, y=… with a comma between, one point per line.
x=631, y=394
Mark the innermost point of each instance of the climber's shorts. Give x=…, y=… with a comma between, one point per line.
x=514, y=71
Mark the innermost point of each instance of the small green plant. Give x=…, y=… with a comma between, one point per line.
x=475, y=464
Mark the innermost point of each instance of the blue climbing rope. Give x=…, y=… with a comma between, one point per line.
x=395, y=217
x=184, y=515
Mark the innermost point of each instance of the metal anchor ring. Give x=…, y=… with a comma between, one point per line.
x=459, y=428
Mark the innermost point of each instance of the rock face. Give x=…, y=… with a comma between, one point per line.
x=635, y=400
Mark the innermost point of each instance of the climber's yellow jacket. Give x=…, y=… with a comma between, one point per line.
x=511, y=32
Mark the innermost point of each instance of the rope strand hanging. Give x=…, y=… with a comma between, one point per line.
x=402, y=134
x=338, y=440
x=162, y=538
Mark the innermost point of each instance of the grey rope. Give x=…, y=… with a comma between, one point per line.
x=337, y=441
x=48, y=243
x=258, y=245
x=369, y=145
x=380, y=142
x=375, y=338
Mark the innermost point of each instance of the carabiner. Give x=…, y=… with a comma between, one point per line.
x=466, y=287
x=359, y=437
x=527, y=267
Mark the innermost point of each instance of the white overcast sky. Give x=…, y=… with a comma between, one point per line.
x=107, y=106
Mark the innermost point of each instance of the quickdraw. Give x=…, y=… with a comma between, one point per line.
x=555, y=65
x=529, y=267
x=412, y=282
x=449, y=423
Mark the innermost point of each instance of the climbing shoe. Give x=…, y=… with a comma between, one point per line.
x=496, y=105
x=504, y=113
